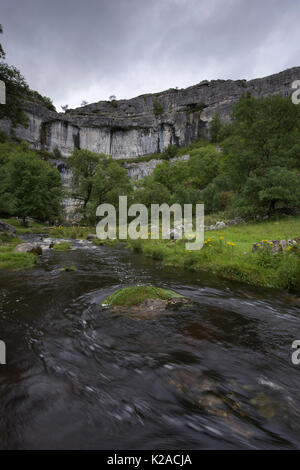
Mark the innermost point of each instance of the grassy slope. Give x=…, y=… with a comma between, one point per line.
x=236, y=261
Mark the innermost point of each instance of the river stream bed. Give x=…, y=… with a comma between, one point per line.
x=214, y=375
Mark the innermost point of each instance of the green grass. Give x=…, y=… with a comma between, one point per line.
x=106, y=242
x=244, y=235
x=75, y=232
x=228, y=253
x=62, y=246
x=135, y=295
x=34, y=227
x=10, y=260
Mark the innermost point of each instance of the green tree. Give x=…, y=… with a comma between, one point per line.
x=110, y=182
x=215, y=128
x=171, y=175
x=16, y=91
x=97, y=179
x=278, y=189
x=149, y=191
x=29, y=187
x=264, y=133
x=171, y=151
x=203, y=166
x=83, y=164
x=262, y=145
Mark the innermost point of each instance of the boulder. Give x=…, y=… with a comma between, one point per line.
x=91, y=236
x=274, y=245
x=28, y=248
x=7, y=229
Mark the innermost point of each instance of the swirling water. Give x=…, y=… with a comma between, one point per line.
x=215, y=375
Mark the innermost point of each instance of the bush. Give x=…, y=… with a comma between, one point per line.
x=157, y=108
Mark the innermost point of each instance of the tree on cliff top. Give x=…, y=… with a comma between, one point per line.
x=17, y=92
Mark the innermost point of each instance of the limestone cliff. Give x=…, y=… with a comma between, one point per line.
x=145, y=124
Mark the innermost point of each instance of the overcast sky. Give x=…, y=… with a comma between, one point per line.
x=74, y=50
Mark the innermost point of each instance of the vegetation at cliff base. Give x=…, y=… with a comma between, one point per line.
x=254, y=170
x=135, y=295
x=96, y=179
x=29, y=186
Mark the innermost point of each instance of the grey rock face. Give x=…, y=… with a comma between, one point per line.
x=148, y=123
x=140, y=170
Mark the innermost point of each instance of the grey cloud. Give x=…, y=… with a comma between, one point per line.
x=72, y=50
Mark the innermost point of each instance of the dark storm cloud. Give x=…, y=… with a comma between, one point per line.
x=72, y=50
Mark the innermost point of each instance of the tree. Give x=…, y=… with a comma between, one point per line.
x=171, y=175
x=260, y=147
x=215, y=128
x=83, y=103
x=96, y=178
x=16, y=91
x=265, y=132
x=150, y=192
x=278, y=189
x=29, y=187
x=65, y=107
x=83, y=164
x=110, y=181
x=203, y=166
x=171, y=151
x=112, y=98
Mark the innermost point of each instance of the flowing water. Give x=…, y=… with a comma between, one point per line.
x=217, y=374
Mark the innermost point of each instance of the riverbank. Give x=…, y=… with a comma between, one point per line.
x=10, y=260
x=228, y=253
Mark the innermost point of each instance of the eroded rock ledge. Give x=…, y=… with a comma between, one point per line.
x=148, y=123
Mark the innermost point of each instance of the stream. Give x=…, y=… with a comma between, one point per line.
x=214, y=375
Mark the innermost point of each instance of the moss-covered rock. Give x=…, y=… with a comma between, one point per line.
x=62, y=246
x=136, y=295
x=69, y=269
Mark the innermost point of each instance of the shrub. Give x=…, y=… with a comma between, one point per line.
x=157, y=108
